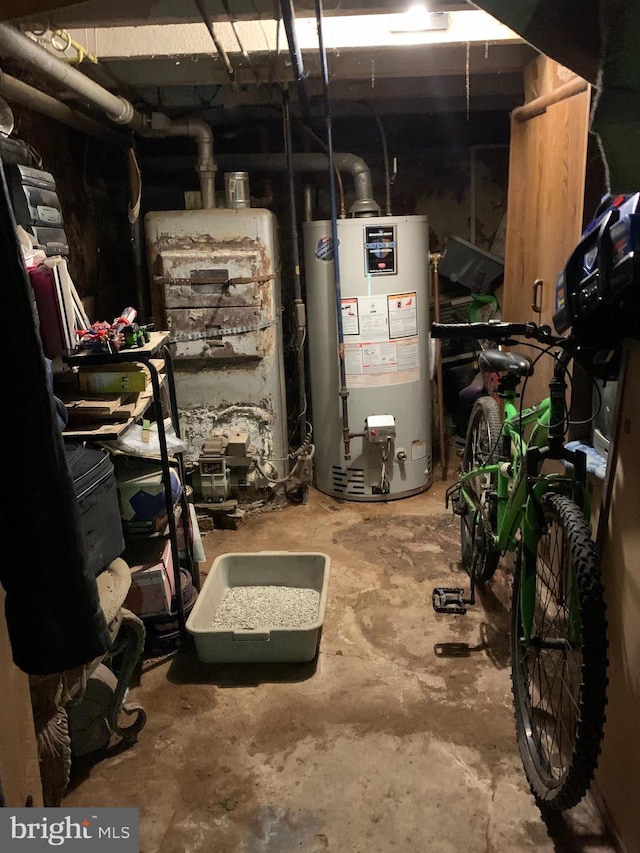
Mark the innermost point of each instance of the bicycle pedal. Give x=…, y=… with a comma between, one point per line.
x=449, y=599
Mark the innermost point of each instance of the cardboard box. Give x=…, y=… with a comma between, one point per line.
x=152, y=583
x=113, y=378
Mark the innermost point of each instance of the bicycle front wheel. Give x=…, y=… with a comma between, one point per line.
x=481, y=447
x=559, y=676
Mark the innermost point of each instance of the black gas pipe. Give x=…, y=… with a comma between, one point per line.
x=299, y=74
x=300, y=318
x=344, y=391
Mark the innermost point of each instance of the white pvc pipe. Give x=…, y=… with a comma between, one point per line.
x=16, y=44
x=16, y=91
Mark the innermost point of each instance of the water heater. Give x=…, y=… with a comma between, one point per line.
x=379, y=319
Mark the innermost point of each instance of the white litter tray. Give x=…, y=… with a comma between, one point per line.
x=261, y=638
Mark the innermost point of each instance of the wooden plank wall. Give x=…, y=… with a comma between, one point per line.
x=19, y=768
x=547, y=165
x=617, y=781
x=545, y=220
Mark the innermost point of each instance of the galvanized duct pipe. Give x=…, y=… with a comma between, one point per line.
x=16, y=44
x=364, y=205
x=15, y=91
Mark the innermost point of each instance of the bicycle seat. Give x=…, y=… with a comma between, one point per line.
x=497, y=361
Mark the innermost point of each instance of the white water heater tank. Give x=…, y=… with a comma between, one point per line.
x=383, y=305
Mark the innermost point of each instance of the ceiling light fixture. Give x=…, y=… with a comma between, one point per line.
x=418, y=19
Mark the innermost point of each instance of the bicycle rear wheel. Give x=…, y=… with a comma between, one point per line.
x=559, y=677
x=481, y=447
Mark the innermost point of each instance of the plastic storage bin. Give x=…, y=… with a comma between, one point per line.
x=262, y=643
x=468, y=265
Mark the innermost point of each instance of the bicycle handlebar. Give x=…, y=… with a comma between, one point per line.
x=494, y=330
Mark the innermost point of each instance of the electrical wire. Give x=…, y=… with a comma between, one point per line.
x=279, y=481
x=384, y=476
x=566, y=421
x=595, y=414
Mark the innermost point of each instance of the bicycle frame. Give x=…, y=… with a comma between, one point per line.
x=521, y=485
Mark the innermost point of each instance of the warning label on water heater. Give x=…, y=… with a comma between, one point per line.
x=403, y=317
x=380, y=339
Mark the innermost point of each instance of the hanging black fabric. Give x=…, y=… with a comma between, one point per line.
x=52, y=609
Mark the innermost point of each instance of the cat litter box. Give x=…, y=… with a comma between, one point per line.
x=260, y=607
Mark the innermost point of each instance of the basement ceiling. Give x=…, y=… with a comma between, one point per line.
x=206, y=57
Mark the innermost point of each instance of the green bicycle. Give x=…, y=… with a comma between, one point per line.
x=510, y=499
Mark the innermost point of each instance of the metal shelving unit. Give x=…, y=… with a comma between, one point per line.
x=157, y=346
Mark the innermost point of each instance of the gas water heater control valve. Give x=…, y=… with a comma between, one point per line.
x=381, y=428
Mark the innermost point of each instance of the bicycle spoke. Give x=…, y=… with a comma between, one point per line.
x=554, y=709
x=479, y=557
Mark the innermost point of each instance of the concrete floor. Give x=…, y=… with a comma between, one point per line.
x=398, y=737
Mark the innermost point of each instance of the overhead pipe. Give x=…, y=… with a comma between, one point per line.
x=364, y=204
x=16, y=91
x=16, y=44
x=202, y=133
x=245, y=54
x=344, y=390
x=299, y=74
x=309, y=132
x=206, y=19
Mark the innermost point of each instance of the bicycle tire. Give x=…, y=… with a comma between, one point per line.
x=481, y=447
x=559, y=727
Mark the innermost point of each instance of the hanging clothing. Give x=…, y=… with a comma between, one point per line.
x=52, y=608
